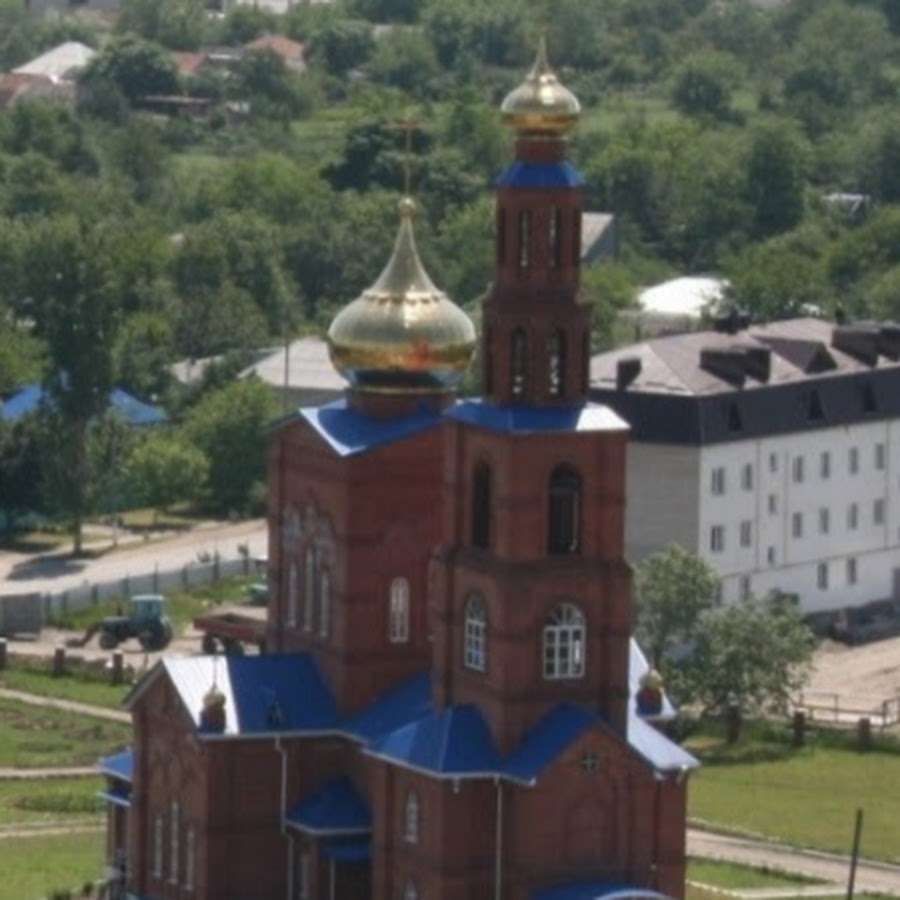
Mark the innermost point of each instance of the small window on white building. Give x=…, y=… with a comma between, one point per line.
x=411, y=819
x=797, y=525
x=851, y=570
x=773, y=504
x=747, y=477
x=853, y=517
x=878, y=511
x=770, y=556
x=398, y=624
x=773, y=462
x=880, y=456
x=744, y=585
x=746, y=533
x=822, y=576
x=824, y=520
x=797, y=469
x=717, y=538
x=853, y=460
x=825, y=464
x=718, y=480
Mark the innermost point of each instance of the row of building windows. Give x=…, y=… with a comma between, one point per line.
x=563, y=640
x=180, y=869
x=718, y=482
x=798, y=520
x=555, y=363
x=526, y=237
x=823, y=581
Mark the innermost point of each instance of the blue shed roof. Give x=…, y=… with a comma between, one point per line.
x=119, y=795
x=350, y=432
x=521, y=174
x=596, y=890
x=135, y=412
x=544, y=743
x=529, y=420
x=358, y=850
x=336, y=808
x=119, y=765
x=410, y=700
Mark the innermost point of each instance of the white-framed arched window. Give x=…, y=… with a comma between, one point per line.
x=412, y=818
x=476, y=633
x=309, y=587
x=324, y=602
x=410, y=891
x=398, y=615
x=564, y=643
x=293, y=594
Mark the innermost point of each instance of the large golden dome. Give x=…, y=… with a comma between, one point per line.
x=541, y=104
x=402, y=334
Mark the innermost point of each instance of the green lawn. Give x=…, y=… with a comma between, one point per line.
x=806, y=796
x=34, y=867
x=92, y=689
x=35, y=737
x=732, y=876
x=31, y=802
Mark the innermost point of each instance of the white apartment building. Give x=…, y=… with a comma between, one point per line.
x=773, y=452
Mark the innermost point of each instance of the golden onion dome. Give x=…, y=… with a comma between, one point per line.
x=402, y=334
x=541, y=104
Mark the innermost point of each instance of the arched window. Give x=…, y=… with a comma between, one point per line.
x=519, y=363
x=398, y=625
x=324, y=602
x=309, y=587
x=564, y=643
x=564, y=511
x=293, y=598
x=411, y=819
x=410, y=892
x=524, y=238
x=476, y=633
x=481, y=506
x=189, y=857
x=174, y=835
x=556, y=363
x=158, y=846
x=554, y=238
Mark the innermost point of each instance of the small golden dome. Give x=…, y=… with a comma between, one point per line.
x=652, y=680
x=541, y=104
x=213, y=698
x=402, y=334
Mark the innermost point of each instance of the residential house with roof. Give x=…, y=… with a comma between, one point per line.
x=451, y=705
x=772, y=451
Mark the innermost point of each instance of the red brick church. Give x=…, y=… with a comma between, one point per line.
x=448, y=708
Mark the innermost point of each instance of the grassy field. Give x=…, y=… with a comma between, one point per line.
x=93, y=688
x=34, y=867
x=806, y=796
x=32, y=802
x=35, y=737
x=731, y=875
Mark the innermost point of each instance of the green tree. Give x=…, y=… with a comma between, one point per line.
x=342, y=44
x=143, y=352
x=163, y=470
x=229, y=427
x=20, y=470
x=776, y=168
x=133, y=66
x=405, y=60
x=176, y=24
x=274, y=91
x=703, y=83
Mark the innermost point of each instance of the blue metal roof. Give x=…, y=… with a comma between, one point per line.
x=411, y=700
x=267, y=694
x=348, y=851
x=544, y=743
x=336, y=808
x=663, y=754
x=119, y=795
x=454, y=742
x=133, y=411
x=528, y=420
x=349, y=432
x=596, y=890
x=521, y=174
x=119, y=765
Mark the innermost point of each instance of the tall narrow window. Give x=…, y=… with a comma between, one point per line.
x=576, y=237
x=309, y=588
x=476, y=633
x=564, y=643
x=853, y=460
x=880, y=456
x=822, y=576
x=304, y=873
x=190, y=855
x=524, y=238
x=564, y=519
x=293, y=594
x=556, y=363
x=481, y=506
x=554, y=238
x=398, y=626
x=324, y=602
x=519, y=363
x=411, y=821
x=158, y=846
x=851, y=570
x=174, y=835
x=410, y=892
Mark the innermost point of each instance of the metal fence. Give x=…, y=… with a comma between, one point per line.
x=847, y=709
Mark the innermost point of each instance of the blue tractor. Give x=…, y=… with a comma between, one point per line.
x=147, y=621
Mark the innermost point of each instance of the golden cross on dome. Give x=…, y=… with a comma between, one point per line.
x=407, y=126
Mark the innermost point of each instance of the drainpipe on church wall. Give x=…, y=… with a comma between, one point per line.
x=498, y=844
x=290, y=855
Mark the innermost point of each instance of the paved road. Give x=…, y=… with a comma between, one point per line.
x=870, y=876
x=58, y=571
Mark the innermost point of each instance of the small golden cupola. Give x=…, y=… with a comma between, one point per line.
x=402, y=335
x=541, y=104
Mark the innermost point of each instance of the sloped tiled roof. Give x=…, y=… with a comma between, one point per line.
x=335, y=809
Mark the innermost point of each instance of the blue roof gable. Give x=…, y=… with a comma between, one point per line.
x=411, y=700
x=545, y=742
x=119, y=765
x=135, y=412
x=521, y=174
x=335, y=809
x=529, y=420
x=349, y=432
